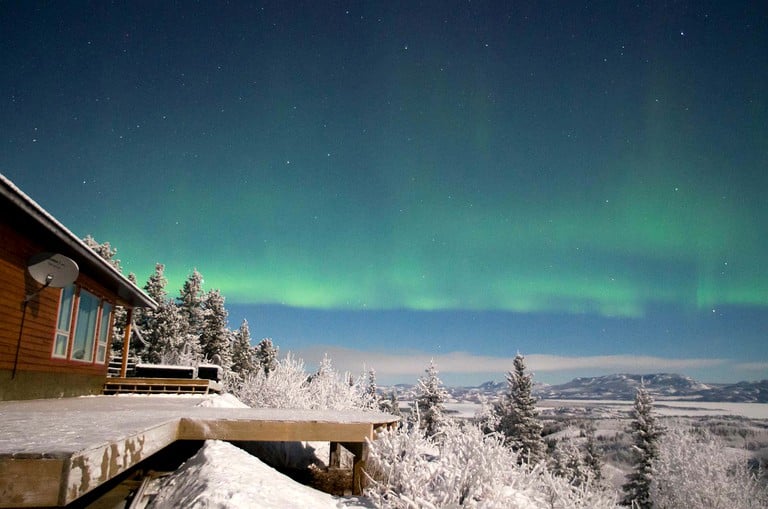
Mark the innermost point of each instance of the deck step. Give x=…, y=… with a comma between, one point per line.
x=132, y=385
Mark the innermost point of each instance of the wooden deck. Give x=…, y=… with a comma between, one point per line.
x=117, y=385
x=54, y=451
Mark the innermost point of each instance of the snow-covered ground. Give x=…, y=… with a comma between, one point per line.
x=221, y=475
x=674, y=408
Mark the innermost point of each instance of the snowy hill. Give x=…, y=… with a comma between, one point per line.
x=622, y=386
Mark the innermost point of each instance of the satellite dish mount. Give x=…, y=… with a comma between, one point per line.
x=54, y=270
x=48, y=269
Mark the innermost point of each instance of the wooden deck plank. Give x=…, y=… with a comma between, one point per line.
x=273, y=431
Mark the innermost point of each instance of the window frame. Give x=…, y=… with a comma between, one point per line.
x=95, y=336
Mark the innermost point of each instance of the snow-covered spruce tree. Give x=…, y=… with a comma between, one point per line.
x=430, y=400
x=371, y=389
x=191, y=304
x=265, y=354
x=518, y=416
x=593, y=458
x=390, y=405
x=566, y=462
x=215, y=336
x=243, y=362
x=697, y=471
x=645, y=432
x=105, y=250
x=162, y=330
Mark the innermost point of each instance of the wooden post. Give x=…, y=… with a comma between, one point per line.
x=126, y=343
x=360, y=450
x=335, y=455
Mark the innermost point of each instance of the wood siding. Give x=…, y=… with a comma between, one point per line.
x=39, y=327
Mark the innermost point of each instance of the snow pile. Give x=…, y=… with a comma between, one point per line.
x=221, y=475
x=222, y=401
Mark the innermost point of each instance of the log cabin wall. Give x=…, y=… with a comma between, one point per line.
x=38, y=373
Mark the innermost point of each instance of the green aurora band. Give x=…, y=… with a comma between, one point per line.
x=611, y=249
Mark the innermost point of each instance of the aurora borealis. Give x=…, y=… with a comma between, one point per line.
x=419, y=179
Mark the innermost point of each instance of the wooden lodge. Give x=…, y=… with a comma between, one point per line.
x=54, y=342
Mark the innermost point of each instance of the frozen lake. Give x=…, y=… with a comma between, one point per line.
x=663, y=407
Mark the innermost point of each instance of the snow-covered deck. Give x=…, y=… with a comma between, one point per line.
x=53, y=451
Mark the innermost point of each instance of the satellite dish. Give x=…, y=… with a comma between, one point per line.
x=54, y=270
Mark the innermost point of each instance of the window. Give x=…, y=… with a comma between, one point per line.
x=83, y=328
x=61, y=341
x=105, y=323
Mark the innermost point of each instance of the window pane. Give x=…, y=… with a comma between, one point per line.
x=101, y=353
x=60, y=345
x=106, y=313
x=64, y=321
x=85, y=329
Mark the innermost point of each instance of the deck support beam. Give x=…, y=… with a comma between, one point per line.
x=126, y=343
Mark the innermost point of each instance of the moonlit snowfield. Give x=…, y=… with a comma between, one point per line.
x=665, y=408
x=418, y=178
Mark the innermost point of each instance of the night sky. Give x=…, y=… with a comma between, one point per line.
x=389, y=182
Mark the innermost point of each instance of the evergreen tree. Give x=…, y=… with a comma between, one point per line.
x=243, y=361
x=593, y=458
x=164, y=334
x=518, y=417
x=215, y=337
x=266, y=356
x=646, y=434
x=391, y=405
x=105, y=251
x=370, y=389
x=191, y=305
x=156, y=284
x=430, y=400
x=567, y=463
x=162, y=330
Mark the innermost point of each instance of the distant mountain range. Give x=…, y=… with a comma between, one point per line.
x=662, y=386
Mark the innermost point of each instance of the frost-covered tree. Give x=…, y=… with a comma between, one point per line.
x=430, y=400
x=191, y=304
x=593, y=458
x=243, y=362
x=215, y=336
x=518, y=417
x=105, y=250
x=289, y=386
x=697, y=471
x=265, y=354
x=371, y=389
x=646, y=433
x=390, y=405
x=162, y=329
x=466, y=467
x=164, y=334
x=567, y=463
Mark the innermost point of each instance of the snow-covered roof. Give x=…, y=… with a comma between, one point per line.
x=38, y=222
